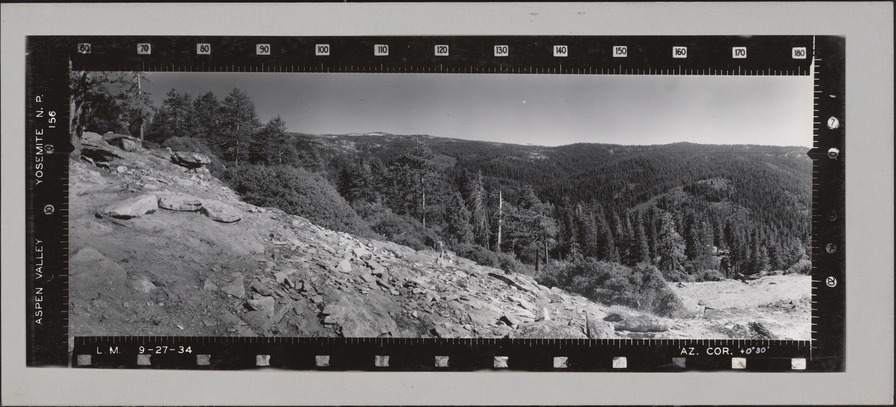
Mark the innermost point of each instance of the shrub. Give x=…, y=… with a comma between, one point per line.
x=403, y=230
x=804, y=266
x=641, y=287
x=194, y=145
x=711, y=275
x=489, y=258
x=298, y=192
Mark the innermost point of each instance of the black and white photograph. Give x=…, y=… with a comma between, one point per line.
x=447, y=203
x=370, y=205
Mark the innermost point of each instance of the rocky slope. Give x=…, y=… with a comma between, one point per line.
x=160, y=247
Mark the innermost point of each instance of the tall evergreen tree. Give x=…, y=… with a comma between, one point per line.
x=670, y=245
x=477, y=205
x=642, y=253
x=207, y=113
x=457, y=221
x=175, y=118
x=239, y=123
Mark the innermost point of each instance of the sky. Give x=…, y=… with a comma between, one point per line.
x=547, y=110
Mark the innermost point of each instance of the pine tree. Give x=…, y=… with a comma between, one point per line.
x=587, y=231
x=175, y=118
x=414, y=173
x=670, y=245
x=136, y=106
x=272, y=146
x=239, y=123
x=606, y=246
x=642, y=253
x=478, y=210
x=207, y=112
x=457, y=221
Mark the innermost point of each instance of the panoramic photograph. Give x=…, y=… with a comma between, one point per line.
x=440, y=205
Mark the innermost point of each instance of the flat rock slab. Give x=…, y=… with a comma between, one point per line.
x=132, y=207
x=220, y=211
x=190, y=160
x=180, y=202
x=123, y=141
x=93, y=273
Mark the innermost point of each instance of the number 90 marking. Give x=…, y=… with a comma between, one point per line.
x=262, y=49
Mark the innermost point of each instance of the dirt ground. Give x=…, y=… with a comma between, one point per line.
x=780, y=303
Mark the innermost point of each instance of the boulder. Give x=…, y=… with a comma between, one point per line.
x=180, y=202
x=98, y=152
x=236, y=288
x=190, y=160
x=263, y=304
x=358, y=321
x=598, y=329
x=91, y=137
x=642, y=324
x=547, y=330
x=220, y=211
x=123, y=141
x=132, y=207
x=208, y=285
x=344, y=266
x=143, y=285
x=92, y=274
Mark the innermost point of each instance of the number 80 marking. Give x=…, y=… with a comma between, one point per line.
x=203, y=49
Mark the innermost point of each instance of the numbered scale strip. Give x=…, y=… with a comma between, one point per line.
x=541, y=55
x=51, y=59
x=432, y=354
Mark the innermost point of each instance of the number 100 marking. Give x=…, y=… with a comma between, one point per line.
x=321, y=49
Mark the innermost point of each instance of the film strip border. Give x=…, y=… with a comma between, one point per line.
x=50, y=59
x=436, y=354
x=648, y=55
x=829, y=201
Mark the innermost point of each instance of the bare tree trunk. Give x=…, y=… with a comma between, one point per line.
x=423, y=210
x=500, y=219
x=139, y=96
x=537, y=258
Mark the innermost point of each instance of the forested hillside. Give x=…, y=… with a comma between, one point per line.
x=584, y=216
